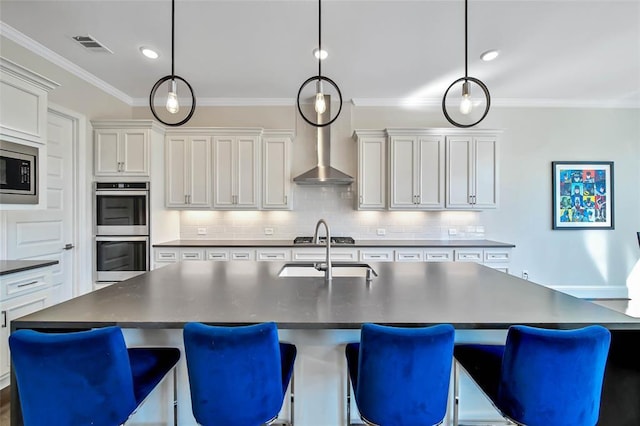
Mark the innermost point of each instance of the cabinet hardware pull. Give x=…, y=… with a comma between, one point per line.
x=418, y=197
x=4, y=319
x=27, y=284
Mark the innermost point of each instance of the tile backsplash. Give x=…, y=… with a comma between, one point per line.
x=335, y=204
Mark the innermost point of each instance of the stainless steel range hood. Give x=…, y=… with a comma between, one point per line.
x=323, y=173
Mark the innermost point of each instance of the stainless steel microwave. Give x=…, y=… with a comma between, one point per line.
x=18, y=173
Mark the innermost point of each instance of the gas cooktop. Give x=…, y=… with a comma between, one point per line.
x=334, y=240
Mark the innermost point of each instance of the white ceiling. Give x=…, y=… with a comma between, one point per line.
x=562, y=52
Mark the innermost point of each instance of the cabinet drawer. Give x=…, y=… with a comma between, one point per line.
x=167, y=255
x=20, y=283
x=191, y=254
x=497, y=256
x=469, y=255
x=221, y=255
x=445, y=255
x=319, y=254
x=273, y=254
x=376, y=255
x=409, y=255
x=242, y=255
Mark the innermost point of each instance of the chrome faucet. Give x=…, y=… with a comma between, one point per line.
x=327, y=265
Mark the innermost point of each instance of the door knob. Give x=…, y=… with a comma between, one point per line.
x=67, y=247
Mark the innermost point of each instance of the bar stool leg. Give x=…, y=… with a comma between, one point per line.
x=348, y=399
x=456, y=390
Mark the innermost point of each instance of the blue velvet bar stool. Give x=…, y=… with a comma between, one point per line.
x=238, y=375
x=540, y=377
x=400, y=376
x=86, y=377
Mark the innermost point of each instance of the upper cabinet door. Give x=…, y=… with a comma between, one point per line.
x=276, y=171
x=199, y=171
x=188, y=171
x=176, y=173
x=134, y=152
x=106, y=153
x=486, y=172
x=403, y=173
x=430, y=170
x=372, y=173
x=223, y=172
x=247, y=171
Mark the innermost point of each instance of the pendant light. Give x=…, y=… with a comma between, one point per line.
x=466, y=104
x=172, y=101
x=320, y=97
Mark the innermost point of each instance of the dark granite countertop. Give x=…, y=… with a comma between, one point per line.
x=467, y=295
x=358, y=243
x=11, y=266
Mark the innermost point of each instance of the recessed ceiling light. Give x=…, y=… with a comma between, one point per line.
x=149, y=53
x=490, y=55
x=320, y=53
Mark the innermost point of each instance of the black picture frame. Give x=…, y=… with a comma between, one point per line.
x=583, y=195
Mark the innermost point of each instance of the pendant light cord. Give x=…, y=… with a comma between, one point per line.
x=319, y=38
x=466, y=54
x=173, y=19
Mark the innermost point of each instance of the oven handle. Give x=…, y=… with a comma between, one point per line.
x=122, y=238
x=118, y=192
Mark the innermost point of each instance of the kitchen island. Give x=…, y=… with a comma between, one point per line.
x=319, y=317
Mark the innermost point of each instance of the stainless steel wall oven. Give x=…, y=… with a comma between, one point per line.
x=121, y=248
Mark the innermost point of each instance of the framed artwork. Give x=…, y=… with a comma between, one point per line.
x=582, y=194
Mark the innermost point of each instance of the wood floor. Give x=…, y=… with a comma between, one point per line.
x=4, y=407
x=616, y=304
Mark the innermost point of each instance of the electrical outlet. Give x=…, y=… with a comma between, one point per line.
x=453, y=231
x=381, y=231
x=525, y=274
x=268, y=231
x=202, y=231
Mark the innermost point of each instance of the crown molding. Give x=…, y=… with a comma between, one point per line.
x=230, y=102
x=500, y=103
x=44, y=52
x=22, y=73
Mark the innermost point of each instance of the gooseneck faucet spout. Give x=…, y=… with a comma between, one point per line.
x=327, y=265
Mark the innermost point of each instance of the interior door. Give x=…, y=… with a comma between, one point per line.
x=48, y=234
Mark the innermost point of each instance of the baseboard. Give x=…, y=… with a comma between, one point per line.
x=595, y=292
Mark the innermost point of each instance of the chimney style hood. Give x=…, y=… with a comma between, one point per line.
x=323, y=173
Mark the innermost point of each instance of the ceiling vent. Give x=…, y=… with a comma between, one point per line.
x=90, y=43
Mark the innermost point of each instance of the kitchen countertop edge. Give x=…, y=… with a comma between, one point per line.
x=358, y=243
x=12, y=266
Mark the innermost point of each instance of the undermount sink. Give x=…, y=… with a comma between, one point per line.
x=338, y=270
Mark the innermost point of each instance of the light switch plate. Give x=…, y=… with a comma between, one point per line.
x=268, y=231
x=202, y=231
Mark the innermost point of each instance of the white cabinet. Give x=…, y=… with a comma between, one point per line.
x=416, y=172
x=22, y=293
x=122, y=147
x=472, y=172
x=409, y=255
x=376, y=255
x=235, y=172
x=438, y=255
x=23, y=102
x=188, y=171
x=276, y=172
x=273, y=254
x=319, y=254
x=372, y=170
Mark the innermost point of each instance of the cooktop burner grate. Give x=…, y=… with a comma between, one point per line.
x=334, y=240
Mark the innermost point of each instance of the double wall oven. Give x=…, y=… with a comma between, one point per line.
x=121, y=230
